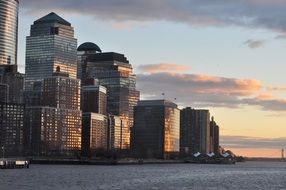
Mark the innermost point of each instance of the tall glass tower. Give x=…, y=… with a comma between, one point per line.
x=51, y=44
x=8, y=31
x=113, y=71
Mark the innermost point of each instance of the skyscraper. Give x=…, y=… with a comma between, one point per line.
x=51, y=44
x=8, y=31
x=194, y=131
x=113, y=71
x=156, y=131
x=53, y=116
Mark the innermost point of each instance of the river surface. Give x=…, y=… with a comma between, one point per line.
x=249, y=175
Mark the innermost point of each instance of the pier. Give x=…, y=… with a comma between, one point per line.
x=13, y=164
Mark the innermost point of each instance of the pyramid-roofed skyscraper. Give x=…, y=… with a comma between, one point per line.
x=51, y=44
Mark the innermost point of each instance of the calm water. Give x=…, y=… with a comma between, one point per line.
x=250, y=175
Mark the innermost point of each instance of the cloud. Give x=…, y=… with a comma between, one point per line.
x=208, y=91
x=252, y=142
x=280, y=37
x=267, y=104
x=164, y=67
x=276, y=88
x=253, y=44
x=268, y=14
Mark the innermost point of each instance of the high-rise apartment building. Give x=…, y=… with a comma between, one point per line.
x=194, y=131
x=61, y=91
x=113, y=71
x=8, y=31
x=51, y=44
x=52, y=131
x=54, y=127
x=156, y=131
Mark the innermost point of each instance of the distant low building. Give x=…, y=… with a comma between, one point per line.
x=214, y=137
x=156, y=131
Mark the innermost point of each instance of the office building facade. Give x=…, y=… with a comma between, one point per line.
x=113, y=71
x=8, y=31
x=156, y=131
x=51, y=44
x=194, y=131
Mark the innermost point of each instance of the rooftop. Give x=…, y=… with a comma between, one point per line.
x=89, y=46
x=157, y=103
x=52, y=18
x=108, y=56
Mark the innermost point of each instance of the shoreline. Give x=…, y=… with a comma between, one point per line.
x=124, y=162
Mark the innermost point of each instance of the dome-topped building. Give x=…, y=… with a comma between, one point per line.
x=84, y=51
x=89, y=46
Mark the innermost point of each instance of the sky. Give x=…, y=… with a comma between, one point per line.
x=226, y=56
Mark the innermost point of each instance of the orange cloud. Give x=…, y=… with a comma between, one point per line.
x=164, y=68
x=265, y=97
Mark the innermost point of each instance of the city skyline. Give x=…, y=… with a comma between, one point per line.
x=224, y=68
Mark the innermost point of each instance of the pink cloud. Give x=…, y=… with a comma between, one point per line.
x=208, y=91
x=164, y=68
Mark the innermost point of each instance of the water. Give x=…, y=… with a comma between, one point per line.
x=249, y=175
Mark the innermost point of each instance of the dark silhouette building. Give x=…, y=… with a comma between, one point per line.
x=11, y=84
x=93, y=97
x=214, y=137
x=156, y=131
x=194, y=131
x=11, y=128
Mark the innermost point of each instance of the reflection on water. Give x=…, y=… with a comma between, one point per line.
x=250, y=175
